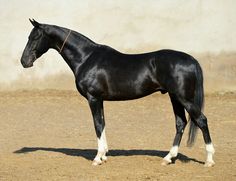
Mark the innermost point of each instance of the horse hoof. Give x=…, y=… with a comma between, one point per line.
x=104, y=158
x=165, y=162
x=209, y=164
x=97, y=162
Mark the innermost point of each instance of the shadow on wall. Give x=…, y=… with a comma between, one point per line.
x=219, y=75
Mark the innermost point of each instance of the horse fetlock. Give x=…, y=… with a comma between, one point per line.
x=210, y=148
x=174, y=151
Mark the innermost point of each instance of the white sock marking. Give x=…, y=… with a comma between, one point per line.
x=173, y=153
x=210, y=152
x=102, y=142
x=102, y=148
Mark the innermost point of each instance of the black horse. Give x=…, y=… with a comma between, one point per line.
x=102, y=73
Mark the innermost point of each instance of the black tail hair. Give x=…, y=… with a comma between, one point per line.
x=198, y=100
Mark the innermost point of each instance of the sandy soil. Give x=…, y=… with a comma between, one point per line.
x=49, y=135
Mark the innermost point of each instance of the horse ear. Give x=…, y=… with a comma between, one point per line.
x=35, y=23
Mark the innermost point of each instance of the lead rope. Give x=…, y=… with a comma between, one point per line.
x=64, y=42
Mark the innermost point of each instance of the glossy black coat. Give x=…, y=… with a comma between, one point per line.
x=103, y=73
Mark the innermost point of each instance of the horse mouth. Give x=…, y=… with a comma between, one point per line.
x=27, y=65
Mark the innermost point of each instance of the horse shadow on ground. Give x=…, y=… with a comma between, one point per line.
x=89, y=154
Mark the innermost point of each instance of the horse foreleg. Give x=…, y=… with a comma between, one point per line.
x=96, y=107
x=180, y=125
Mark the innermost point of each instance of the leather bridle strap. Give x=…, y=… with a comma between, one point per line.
x=64, y=42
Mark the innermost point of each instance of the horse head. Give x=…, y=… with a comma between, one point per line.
x=38, y=44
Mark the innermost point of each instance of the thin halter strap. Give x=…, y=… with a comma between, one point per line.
x=64, y=42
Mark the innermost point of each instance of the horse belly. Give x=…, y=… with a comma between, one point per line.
x=130, y=89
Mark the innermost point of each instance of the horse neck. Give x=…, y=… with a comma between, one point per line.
x=73, y=47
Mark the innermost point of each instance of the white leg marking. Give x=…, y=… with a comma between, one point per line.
x=102, y=149
x=104, y=140
x=210, y=152
x=173, y=153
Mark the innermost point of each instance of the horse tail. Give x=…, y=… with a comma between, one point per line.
x=199, y=101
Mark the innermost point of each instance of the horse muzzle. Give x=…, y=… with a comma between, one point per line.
x=27, y=65
x=28, y=61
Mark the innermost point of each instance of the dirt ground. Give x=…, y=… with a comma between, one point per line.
x=49, y=135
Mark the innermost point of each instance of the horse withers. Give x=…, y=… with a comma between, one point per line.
x=103, y=73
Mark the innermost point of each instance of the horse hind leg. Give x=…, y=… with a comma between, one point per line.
x=201, y=121
x=180, y=126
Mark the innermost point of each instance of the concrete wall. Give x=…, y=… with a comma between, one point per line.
x=205, y=29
